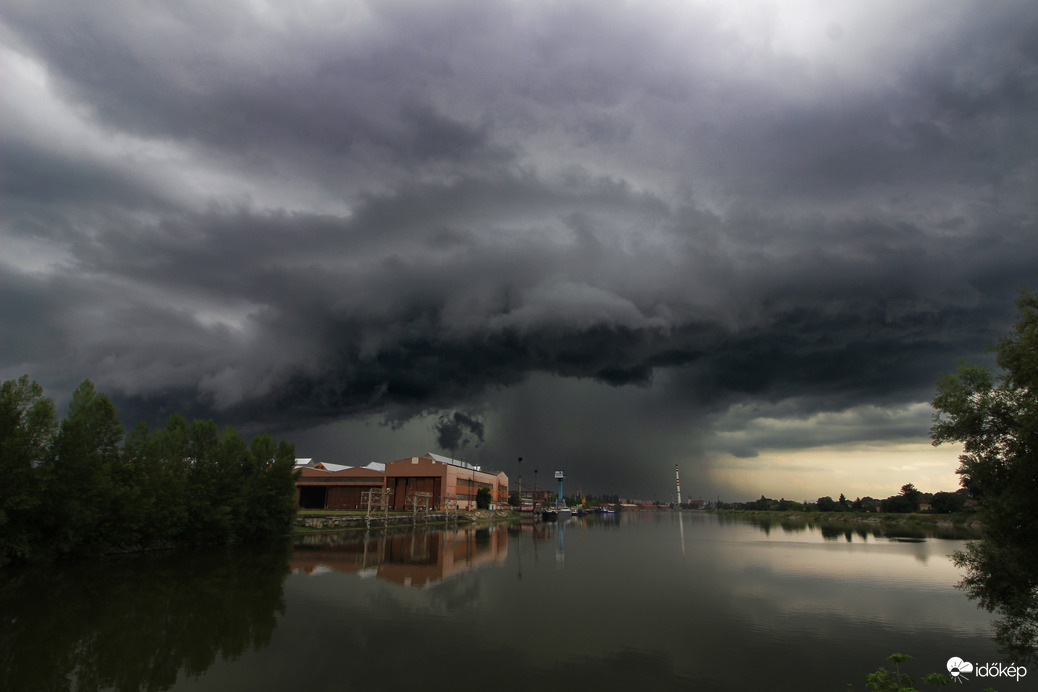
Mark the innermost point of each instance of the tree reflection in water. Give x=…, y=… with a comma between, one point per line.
x=1002, y=576
x=140, y=622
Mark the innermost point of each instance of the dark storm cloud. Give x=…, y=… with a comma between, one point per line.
x=31, y=176
x=292, y=217
x=747, y=119
x=457, y=431
x=437, y=314
x=307, y=102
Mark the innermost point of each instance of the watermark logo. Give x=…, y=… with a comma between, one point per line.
x=958, y=668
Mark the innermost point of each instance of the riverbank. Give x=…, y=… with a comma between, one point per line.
x=333, y=520
x=958, y=525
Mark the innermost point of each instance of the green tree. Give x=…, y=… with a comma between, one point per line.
x=79, y=488
x=995, y=417
x=904, y=502
x=912, y=494
x=87, y=495
x=483, y=498
x=270, y=497
x=159, y=459
x=764, y=504
x=27, y=427
x=947, y=503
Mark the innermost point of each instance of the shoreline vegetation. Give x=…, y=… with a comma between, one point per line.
x=994, y=416
x=962, y=525
x=970, y=519
x=84, y=487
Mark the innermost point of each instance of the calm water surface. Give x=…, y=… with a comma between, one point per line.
x=667, y=600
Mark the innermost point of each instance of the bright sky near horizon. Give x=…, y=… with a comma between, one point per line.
x=609, y=237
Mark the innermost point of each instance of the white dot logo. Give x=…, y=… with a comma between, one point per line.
x=957, y=667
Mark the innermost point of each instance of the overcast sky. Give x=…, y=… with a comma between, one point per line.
x=608, y=237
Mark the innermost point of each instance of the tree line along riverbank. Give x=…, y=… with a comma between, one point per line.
x=83, y=486
x=962, y=525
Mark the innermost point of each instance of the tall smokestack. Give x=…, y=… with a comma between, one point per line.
x=677, y=481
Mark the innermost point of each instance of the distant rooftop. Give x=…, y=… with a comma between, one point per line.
x=453, y=462
x=334, y=467
x=378, y=465
x=325, y=466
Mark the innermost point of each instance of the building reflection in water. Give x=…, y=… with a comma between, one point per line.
x=416, y=558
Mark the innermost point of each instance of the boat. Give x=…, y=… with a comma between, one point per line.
x=559, y=512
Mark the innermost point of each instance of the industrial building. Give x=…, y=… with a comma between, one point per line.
x=333, y=486
x=432, y=479
x=442, y=477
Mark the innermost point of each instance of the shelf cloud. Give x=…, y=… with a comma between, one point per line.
x=611, y=237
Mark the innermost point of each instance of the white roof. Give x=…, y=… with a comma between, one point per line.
x=335, y=467
x=303, y=462
x=332, y=468
x=452, y=462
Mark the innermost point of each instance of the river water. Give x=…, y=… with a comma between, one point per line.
x=639, y=600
